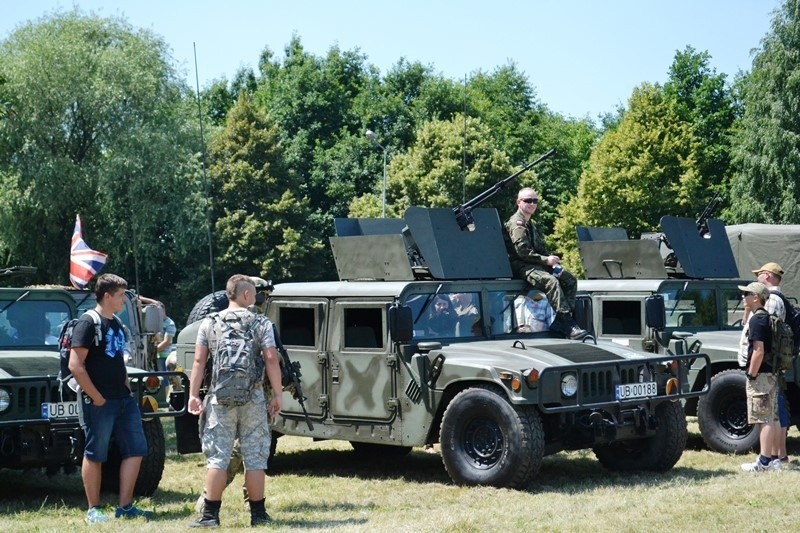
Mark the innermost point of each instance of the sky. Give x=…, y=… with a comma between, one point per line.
x=583, y=58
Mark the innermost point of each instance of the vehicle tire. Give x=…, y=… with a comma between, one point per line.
x=152, y=466
x=374, y=450
x=210, y=303
x=485, y=440
x=658, y=453
x=722, y=414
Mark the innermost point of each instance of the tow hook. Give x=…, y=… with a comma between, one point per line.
x=601, y=427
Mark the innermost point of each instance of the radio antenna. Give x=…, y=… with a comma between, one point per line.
x=205, y=171
x=464, y=151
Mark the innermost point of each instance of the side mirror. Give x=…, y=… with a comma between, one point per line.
x=151, y=319
x=583, y=312
x=401, y=323
x=655, y=313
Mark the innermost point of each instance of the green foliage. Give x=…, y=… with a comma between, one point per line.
x=765, y=187
x=260, y=225
x=95, y=125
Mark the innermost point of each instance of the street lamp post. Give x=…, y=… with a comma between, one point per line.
x=374, y=138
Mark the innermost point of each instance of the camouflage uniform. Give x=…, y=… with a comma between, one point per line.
x=528, y=256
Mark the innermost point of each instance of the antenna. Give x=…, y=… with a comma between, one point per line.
x=205, y=171
x=464, y=151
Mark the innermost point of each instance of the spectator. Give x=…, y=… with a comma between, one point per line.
x=108, y=407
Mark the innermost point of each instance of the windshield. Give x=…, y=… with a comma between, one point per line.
x=689, y=306
x=32, y=322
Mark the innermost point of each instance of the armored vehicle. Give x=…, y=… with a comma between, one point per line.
x=694, y=272
x=39, y=424
x=387, y=369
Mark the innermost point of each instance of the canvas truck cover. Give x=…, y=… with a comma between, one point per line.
x=756, y=244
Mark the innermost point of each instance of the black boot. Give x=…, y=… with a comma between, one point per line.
x=258, y=515
x=574, y=331
x=210, y=516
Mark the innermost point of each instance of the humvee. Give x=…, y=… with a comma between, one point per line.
x=377, y=374
x=39, y=425
x=696, y=275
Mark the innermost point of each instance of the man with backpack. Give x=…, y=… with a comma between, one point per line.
x=97, y=363
x=770, y=275
x=241, y=346
x=762, y=382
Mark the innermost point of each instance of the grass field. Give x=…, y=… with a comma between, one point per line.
x=320, y=486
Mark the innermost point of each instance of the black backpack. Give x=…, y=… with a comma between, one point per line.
x=65, y=342
x=792, y=320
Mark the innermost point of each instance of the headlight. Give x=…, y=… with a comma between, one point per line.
x=569, y=385
x=5, y=400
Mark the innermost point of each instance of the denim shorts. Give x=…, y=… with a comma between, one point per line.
x=783, y=410
x=119, y=418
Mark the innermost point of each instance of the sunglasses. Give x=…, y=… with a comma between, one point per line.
x=745, y=294
x=530, y=200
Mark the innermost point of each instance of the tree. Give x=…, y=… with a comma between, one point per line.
x=96, y=125
x=641, y=170
x=765, y=186
x=260, y=224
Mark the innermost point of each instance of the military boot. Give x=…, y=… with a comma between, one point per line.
x=258, y=514
x=210, y=516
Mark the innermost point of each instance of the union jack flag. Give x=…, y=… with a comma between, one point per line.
x=83, y=261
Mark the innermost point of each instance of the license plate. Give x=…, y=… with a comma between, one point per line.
x=60, y=410
x=636, y=390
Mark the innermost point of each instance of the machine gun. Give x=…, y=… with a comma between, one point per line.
x=463, y=212
x=290, y=376
x=708, y=212
x=17, y=271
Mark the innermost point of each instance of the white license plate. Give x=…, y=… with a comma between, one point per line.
x=636, y=390
x=60, y=410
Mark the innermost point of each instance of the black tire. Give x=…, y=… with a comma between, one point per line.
x=374, y=450
x=722, y=414
x=485, y=440
x=210, y=303
x=152, y=466
x=658, y=453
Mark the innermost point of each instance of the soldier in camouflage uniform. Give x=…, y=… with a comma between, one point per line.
x=531, y=261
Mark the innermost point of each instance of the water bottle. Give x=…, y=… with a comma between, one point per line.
x=557, y=270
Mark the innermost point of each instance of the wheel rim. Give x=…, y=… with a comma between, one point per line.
x=732, y=416
x=483, y=442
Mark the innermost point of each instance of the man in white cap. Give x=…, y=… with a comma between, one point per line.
x=762, y=383
x=770, y=275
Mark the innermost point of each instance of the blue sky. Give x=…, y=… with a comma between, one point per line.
x=582, y=57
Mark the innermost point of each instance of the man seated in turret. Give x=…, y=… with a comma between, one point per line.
x=531, y=261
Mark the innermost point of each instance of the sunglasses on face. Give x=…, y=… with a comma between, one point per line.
x=745, y=294
x=530, y=200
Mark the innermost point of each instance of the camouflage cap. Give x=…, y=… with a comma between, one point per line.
x=757, y=288
x=774, y=268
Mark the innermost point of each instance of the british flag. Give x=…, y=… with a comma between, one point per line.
x=83, y=261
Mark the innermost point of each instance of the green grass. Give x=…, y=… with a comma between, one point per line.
x=317, y=486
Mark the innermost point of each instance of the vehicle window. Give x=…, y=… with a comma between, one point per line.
x=690, y=308
x=297, y=326
x=363, y=328
x=513, y=312
x=86, y=301
x=622, y=317
x=446, y=315
x=32, y=322
x=734, y=308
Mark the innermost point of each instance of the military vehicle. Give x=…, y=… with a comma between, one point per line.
x=693, y=270
x=39, y=425
x=376, y=371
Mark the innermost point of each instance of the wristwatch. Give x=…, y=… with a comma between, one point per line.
x=750, y=376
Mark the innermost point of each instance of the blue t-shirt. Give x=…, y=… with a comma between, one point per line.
x=105, y=363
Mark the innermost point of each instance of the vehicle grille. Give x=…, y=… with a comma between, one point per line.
x=599, y=384
x=27, y=398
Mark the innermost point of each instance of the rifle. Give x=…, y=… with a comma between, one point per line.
x=463, y=212
x=708, y=212
x=290, y=376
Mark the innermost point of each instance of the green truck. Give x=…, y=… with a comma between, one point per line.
x=496, y=395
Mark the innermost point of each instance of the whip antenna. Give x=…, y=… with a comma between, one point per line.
x=205, y=171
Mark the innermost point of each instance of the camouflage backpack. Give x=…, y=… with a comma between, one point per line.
x=238, y=366
x=782, y=344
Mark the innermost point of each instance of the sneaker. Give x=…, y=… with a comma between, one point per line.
x=133, y=512
x=756, y=466
x=95, y=515
x=260, y=519
x=775, y=464
x=207, y=519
